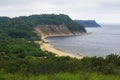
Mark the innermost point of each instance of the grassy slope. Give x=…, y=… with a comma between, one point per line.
x=59, y=76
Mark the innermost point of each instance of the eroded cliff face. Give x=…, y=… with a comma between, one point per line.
x=54, y=30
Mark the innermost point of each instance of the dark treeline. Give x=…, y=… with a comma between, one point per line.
x=32, y=64
x=17, y=28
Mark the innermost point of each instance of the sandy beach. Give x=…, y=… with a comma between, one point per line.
x=51, y=48
x=45, y=46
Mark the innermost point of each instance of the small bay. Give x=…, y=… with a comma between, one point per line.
x=103, y=41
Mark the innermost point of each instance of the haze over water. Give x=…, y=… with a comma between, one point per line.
x=103, y=41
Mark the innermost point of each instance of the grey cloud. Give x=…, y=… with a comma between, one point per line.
x=14, y=2
x=93, y=9
x=111, y=5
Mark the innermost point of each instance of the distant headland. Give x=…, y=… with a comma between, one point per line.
x=88, y=23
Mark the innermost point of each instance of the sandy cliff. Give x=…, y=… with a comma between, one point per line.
x=54, y=30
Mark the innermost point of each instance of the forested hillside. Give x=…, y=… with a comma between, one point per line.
x=23, y=27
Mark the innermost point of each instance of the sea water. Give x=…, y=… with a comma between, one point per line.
x=103, y=41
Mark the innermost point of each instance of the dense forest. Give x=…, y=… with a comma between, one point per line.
x=22, y=59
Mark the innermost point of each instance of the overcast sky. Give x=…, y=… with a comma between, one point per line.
x=103, y=11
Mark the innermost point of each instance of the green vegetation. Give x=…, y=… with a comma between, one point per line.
x=21, y=58
x=17, y=28
x=49, y=67
x=59, y=76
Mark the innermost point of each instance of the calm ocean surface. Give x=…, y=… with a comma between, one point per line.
x=103, y=41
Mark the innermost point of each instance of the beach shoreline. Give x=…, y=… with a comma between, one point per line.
x=50, y=48
x=46, y=46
